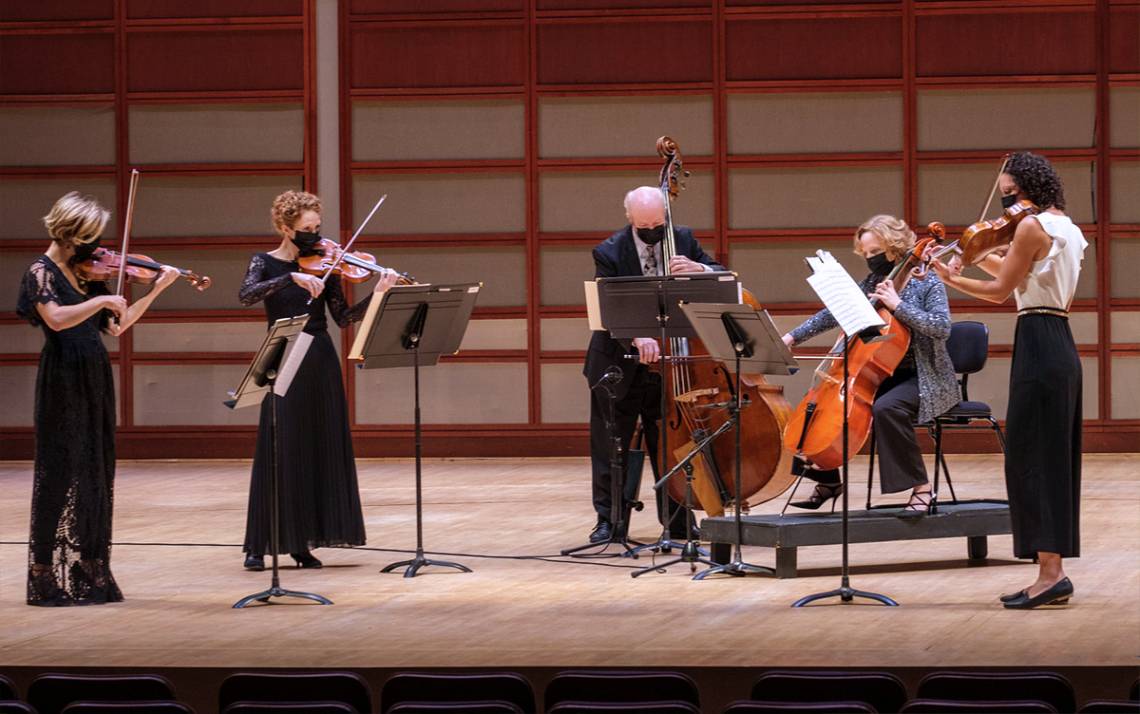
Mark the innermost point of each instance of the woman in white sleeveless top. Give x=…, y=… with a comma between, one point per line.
x=1043, y=422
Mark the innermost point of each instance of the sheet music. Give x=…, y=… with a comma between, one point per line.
x=593, y=307
x=841, y=295
x=292, y=363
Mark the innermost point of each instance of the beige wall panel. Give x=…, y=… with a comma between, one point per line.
x=198, y=336
x=24, y=203
x=1086, y=283
x=562, y=274
x=18, y=385
x=225, y=268
x=188, y=394
x=465, y=129
x=501, y=270
x=46, y=136
x=991, y=385
x=1125, y=327
x=450, y=393
x=1003, y=324
x=796, y=385
x=954, y=193
x=1125, y=388
x=776, y=272
x=623, y=126
x=593, y=201
x=992, y=118
x=206, y=133
x=21, y=338
x=1125, y=178
x=495, y=335
x=565, y=333
x=1125, y=266
x=565, y=395
x=791, y=198
x=787, y=323
x=1124, y=117
x=208, y=205
x=814, y=123
x=441, y=203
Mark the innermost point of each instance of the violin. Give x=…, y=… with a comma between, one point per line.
x=106, y=265
x=354, y=267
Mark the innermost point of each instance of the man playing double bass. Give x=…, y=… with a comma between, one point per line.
x=634, y=250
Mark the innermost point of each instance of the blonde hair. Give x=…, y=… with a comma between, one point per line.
x=76, y=218
x=896, y=235
x=289, y=206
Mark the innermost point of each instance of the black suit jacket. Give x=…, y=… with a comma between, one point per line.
x=617, y=256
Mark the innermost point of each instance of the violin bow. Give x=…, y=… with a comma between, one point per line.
x=993, y=189
x=127, y=231
x=344, y=251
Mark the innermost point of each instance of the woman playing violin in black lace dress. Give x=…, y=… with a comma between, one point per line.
x=70, y=539
x=320, y=500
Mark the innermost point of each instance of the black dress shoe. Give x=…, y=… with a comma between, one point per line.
x=1059, y=594
x=254, y=562
x=306, y=560
x=820, y=495
x=603, y=531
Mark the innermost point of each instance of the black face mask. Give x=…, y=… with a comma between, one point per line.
x=306, y=242
x=652, y=236
x=84, y=251
x=880, y=264
x=1008, y=201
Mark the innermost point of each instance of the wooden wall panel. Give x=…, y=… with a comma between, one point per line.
x=1046, y=43
x=153, y=9
x=437, y=7
x=650, y=51
x=1124, y=39
x=57, y=64
x=453, y=55
x=620, y=4
x=215, y=60
x=786, y=49
x=47, y=10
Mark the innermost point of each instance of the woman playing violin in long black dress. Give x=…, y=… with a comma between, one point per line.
x=70, y=540
x=320, y=500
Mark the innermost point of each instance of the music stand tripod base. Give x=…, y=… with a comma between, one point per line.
x=276, y=591
x=845, y=593
x=413, y=566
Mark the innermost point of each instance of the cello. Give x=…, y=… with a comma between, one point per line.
x=815, y=431
x=694, y=382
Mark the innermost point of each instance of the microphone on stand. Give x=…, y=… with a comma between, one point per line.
x=611, y=378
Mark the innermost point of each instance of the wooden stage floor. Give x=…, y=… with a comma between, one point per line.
x=178, y=529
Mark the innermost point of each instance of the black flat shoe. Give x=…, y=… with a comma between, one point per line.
x=1059, y=594
x=603, y=531
x=306, y=560
x=254, y=562
x=823, y=493
x=1010, y=597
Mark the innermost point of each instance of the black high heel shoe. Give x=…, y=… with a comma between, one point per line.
x=254, y=562
x=306, y=560
x=823, y=493
x=917, y=506
x=1059, y=594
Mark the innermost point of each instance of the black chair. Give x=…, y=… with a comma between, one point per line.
x=1110, y=706
x=290, y=708
x=12, y=706
x=649, y=707
x=8, y=689
x=51, y=693
x=483, y=707
x=444, y=687
x=295, y=688
x=946, y=706
x=620, y=686
x=751, y=707
x=127, y=708
x=882, y=691
x=1048, y=687
x=968, y=345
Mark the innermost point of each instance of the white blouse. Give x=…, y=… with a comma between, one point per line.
x=1052, y=281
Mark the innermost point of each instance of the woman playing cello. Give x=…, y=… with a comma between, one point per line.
x=922, y=387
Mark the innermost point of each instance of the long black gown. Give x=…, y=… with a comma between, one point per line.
x=72, y=492
x=320, y=500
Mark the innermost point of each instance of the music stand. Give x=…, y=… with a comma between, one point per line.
x=411, y=326
x=269, y=375
x=638, y=306
x=739, y=337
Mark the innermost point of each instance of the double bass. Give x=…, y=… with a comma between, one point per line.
x=694, y=381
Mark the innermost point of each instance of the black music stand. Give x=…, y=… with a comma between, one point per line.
x=411, y=326
x=269, y=376
x=637, y=306
x=739, y=337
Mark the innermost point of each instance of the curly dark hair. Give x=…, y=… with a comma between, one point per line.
x=1037, y=178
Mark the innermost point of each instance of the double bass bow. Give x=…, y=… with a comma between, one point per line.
x=694, y=383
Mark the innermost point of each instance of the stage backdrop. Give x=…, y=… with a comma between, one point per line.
x=505, y=133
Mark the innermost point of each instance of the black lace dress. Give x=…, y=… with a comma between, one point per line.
x=320, y=500
x=70, y=541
